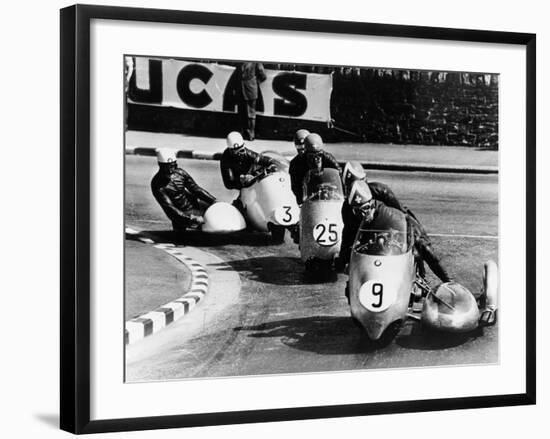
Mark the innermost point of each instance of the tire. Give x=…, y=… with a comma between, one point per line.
x=387, y=337
x=277, y=233
x=389, y=334
x=323, y=269
x=311, y=266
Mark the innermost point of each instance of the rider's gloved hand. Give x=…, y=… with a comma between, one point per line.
x=246, y=179
x=197, y=219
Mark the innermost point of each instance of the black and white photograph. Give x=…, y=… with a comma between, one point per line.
x=296, y=218
x=275, y=219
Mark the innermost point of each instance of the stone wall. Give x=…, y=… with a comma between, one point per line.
x=367, y=105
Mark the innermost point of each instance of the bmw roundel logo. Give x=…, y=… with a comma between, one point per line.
x=377, y=263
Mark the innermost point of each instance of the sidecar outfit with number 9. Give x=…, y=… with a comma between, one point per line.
x=321, y=219
x=381, y=274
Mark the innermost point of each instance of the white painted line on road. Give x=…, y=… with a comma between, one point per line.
x=453, y=235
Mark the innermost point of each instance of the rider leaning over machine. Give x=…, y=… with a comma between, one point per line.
x=238, y=164
x=354, y=171
x=302, y=163
x=181, y=198
x=299, y=139
x=362, y=205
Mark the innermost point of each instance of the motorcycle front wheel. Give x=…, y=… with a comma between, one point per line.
x=277, y=233
x=386, y=338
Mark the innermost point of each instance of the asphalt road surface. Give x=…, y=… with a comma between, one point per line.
x=282, y=320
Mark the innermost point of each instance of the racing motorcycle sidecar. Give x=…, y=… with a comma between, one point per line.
x=384, y=285
x=269, y=203
x=451, y=307
x=223, y=217
x=321, y=220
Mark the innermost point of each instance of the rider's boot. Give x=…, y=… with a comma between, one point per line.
x=440, y=272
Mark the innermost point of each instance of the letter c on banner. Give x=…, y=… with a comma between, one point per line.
x=185, y=76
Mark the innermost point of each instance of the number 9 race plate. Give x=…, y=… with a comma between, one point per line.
x=377, y=296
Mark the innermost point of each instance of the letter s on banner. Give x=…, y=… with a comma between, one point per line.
x=286, y=85
x=297, y=95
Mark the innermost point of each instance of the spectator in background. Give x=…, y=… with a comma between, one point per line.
x=252, y=74
x=128, y=71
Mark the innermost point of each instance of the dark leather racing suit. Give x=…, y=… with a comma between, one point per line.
x=237, y=162
x=422, y=244
x=181, y=198
x=299, y=168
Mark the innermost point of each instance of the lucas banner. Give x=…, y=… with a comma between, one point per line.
x=216, y=87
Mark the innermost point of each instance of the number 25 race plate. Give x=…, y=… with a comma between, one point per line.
x=326, y=234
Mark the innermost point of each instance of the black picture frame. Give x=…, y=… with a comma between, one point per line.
x=75, y=217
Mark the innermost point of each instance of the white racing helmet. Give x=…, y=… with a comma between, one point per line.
x=234, y=140
x=299, y=139
x=358, y=193
x=223, y=217
x=450, y=307
x=353, y=171
x=166, y=155
x=313, y=143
